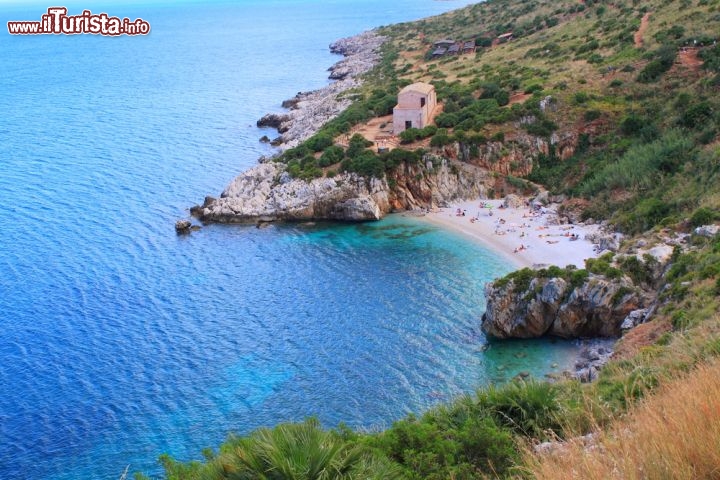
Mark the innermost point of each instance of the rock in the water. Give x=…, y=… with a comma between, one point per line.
x=268, y=193
x=511, y=314
x=183, y=227
x=273, y=120
x=597, y=308
x=292, y=103
x=310, y=110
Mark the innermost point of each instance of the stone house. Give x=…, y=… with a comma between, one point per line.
x=415, y=107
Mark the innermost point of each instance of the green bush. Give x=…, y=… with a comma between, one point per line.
x=446, y=120
x=527, y=408
x=409, y=135
x=440, y=139
x=642, y=165
x=357, y=145
x=711, y=58
x=288, y=451
x=367, y=164
x=697, y=115
x=580, y=97
x=703, y=216
x=319, y=142
x=632, y=124
x=542, y=127
x=331, y=155
x=397, y=156
x=591, y=115
x=502, y=98
x=664, y=60
x=535, y=87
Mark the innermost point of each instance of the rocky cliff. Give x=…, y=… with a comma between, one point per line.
x=311, y=110
x=266, y=192
x=552, y=306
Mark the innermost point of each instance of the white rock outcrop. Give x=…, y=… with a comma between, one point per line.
x=267, y=193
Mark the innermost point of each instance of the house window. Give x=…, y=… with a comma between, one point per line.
x=422, y=102
x=408, y=124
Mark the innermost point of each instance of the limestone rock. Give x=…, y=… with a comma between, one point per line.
x=542, y=198
x=273, y=120
x=634, y=318
x=513, y=201
x=268, y=192
x=597, y=308
x=512, y=314
x=707, y=230
x=661, y=253
x=593, y=309
x=183, y=227
x=310, y=110
x=606, y=241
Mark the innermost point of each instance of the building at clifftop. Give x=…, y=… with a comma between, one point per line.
x=415, y=107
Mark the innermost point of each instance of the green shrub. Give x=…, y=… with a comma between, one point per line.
x=440, y=139
x=409, y=135
x=703, y=216
x=664, y=60
x=642, y=165
x=502, y=98
x=591, y=115
x=446, y=120
x=711, y=58
x=527, y=408
x=640, y=272
x=581, y=97
x=697, y=115
x=367, y=164
x=332, y=155
x=319, y=142
x=357, y=145
x=578, y=278
x=632, y=124
x=535, y=87
x=542, y=127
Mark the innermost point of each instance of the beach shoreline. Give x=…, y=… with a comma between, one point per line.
x=526, y=236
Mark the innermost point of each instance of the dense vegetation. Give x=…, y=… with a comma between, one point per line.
x=646, y=116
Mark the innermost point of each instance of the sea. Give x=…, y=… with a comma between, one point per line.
x=121, y=341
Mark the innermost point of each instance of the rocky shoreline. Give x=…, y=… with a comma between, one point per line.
x=311, y=110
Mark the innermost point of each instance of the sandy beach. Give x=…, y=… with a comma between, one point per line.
x=525, y=236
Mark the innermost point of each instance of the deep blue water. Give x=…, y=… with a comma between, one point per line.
x=119, y=340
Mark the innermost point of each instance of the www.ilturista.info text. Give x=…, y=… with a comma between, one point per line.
x=57, y=21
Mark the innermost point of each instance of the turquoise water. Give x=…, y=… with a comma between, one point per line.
x=119, y=340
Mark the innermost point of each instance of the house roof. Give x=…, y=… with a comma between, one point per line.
x=420, y=87
x=454, y=48
x=440, y=51
x=505, y=35
x=444, y=41
x=469, y=44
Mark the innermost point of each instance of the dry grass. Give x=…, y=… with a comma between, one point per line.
x=674, y=434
